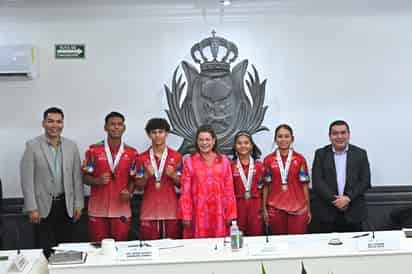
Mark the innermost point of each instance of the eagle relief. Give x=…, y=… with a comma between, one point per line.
x=215, y=95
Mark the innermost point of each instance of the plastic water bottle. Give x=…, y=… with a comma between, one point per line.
x=234, y=236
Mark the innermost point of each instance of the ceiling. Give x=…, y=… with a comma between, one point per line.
x=198, y=8
x=311, y=4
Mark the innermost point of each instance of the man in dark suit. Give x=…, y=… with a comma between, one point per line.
x=340, y=178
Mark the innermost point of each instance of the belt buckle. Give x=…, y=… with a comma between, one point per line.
x=59, y=197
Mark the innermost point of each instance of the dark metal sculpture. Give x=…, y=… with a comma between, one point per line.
x=215, y=95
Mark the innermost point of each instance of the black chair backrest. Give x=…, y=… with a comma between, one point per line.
x=1, y=196
x=1, y=217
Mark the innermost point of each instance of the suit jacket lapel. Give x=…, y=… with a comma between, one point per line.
x=331, y=162
x=349, y=160
x=46, y=151
x=65, y=155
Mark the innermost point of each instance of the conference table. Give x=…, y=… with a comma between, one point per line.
x=283, y=254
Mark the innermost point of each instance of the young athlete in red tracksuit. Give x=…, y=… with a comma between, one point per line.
x=159, y=176
x=109, y=169
x=286, y=194
x=247, y=178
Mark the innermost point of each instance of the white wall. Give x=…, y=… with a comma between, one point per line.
x=319, y=68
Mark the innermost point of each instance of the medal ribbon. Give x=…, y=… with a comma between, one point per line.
x=247, y=182
x=158, y=170
x=109, y=157
x=284, y=170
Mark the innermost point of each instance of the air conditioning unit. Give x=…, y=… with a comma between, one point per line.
x=18, y=61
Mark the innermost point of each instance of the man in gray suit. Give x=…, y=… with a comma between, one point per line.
x=51, y=181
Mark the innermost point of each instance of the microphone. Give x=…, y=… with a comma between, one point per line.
x=380, y=243
x=266, y=225
x=371, y=227
x=18, y=240
x=267, y=232
x=123, y=219
x=20, y=262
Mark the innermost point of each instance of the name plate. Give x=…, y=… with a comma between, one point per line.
x=378, y=244
x=271, y=248
x=137, y=253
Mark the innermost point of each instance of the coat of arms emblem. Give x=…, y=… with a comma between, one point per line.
x=215, y=95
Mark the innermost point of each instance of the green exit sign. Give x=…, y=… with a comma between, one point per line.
x=70, y=51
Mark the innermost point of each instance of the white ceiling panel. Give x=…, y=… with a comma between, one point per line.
x=193, y=9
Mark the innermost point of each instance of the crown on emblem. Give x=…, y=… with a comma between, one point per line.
x=216, y=62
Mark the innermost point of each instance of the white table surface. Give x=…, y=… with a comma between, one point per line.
x=37, y=262
x=212, y=256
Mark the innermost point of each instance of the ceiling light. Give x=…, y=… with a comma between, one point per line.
x=226, y=2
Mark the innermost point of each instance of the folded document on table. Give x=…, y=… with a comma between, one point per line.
x=68, y=257
x=165, y=243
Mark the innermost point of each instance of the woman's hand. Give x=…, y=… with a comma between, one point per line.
x=309, y=217
x=229, y=222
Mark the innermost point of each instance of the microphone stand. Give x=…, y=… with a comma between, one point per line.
x=142, y=244
x=267, y=232
x=380, y=243
x=371, y=227
x=18, y=240
x=20, y=262
x=144, y=250
x=266, y=226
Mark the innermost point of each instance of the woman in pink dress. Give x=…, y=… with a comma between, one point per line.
x=207, y=203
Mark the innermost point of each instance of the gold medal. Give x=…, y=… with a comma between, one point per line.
x=284, y=187
x=158, y=184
